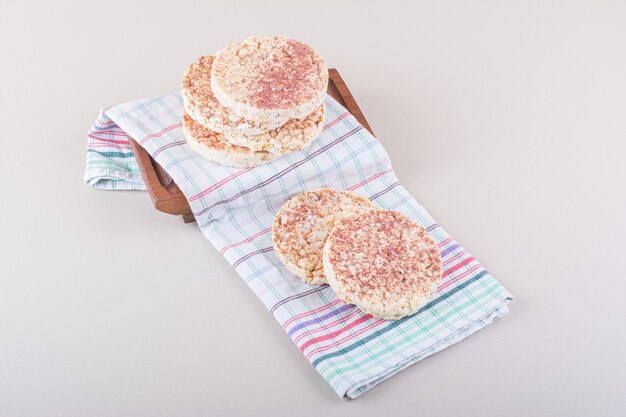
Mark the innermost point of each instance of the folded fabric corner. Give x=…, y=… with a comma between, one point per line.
x=110, y=164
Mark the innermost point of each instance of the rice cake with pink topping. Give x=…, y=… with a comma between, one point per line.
x=214, y=147
x=382, y=262
x=265, y=78
x=302, y=225
x=204, y=108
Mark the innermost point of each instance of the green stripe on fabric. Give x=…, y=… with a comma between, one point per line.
x=407, y=338
x=397, y=322
x=114, y=164
x=425, y=334
x=112, y=154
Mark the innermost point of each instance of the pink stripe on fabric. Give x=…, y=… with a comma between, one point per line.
x=327, y=326
x=457, y=266
x=445, y=242
x=458, y=255
x=109, y=132
x=155, y=135
x=308, y=313
x=105, y=122
x=262, y=232
x=460, y=277
x=108, y=145
x=372, y=178
x=120, y=142
x=339, y=118
x=219, y=184
x=333, y=334
x=348, y=337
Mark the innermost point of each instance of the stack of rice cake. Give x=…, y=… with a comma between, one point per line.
x=254, y=101
x=379, y=260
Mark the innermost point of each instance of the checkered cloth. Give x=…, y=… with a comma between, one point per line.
x=235, y=208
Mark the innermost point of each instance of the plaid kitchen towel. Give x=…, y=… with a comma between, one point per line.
x=110, y=162
x=235, y=208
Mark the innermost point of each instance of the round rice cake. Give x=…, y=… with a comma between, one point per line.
x=212, y=146
x=269, y=77
x=290, y=137
x=302, y=225
x=382, y=262
x=202, y=106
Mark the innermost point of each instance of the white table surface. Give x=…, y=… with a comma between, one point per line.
x=507, y=120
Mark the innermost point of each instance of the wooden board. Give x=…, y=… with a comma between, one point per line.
x=165, y=194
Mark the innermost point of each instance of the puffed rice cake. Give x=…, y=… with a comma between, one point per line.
x=212, y=145
x=382, y=262
x=265, y=78
x=302, y=225
x=293, y=136
x=203, y=107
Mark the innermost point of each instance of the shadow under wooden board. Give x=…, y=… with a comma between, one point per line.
x=165, y=194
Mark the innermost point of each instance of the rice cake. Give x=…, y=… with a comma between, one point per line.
x=212, y=146
x=265, y=78
x=302, y=225
x=290, y=137
x=382, y=262
x=203, y=107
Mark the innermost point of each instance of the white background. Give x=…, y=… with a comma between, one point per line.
x=507, y=120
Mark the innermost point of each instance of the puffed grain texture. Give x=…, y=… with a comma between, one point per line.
x=267, y=77
x=212, y=146
x=382, y=262
x=302, y=225
x=293, y=136
x=204, y=108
